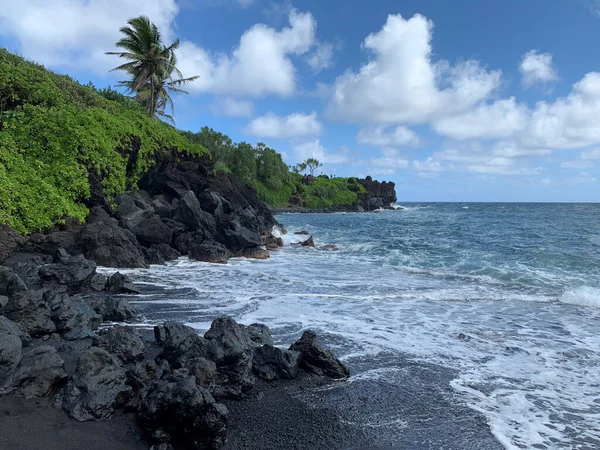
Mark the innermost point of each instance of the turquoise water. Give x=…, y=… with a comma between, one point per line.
x=506, y=294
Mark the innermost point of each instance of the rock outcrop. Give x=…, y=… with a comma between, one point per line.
x=317, y=358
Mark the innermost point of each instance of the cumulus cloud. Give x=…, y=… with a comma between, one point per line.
x=382, y=137
x=321, y=57
x=259, y=65
x=586, y=160
x=390, y=159
x=401, y=84
x=232, y=107
x=314, y=149
x=292, y=126
x=537, y=68
x=499, y=120
x=567, y=122
x=77, y=33
x=474, y=162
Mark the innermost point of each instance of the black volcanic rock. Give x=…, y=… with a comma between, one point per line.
x=109, y=245
x=31, y=311
x=97, y=388
x=40, y=372
x=187, y=412
x=123, y=342
x=10, y=348
x=317, y=358
x=271, y=363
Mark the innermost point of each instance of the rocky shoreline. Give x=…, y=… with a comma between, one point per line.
x=53, y=345
x=65, y=329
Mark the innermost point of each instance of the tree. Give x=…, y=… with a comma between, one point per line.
x=271, y=169
x=151, y=66
x=313, y=164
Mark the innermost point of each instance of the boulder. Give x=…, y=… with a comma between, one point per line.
x=9, y=242
x=10, y=282
x=40, y=372
x=302, y=233
x=120, y=284
x=189, y=212
x=123, y=342
x=328, y=247
x=97, y=388
x=317, y=358
x=113, y=309
x=148, y=228
x=171, y=334
x=30, y=310
x=187, y=412
x=272, y=363
x=308, y=243
x=3, y=301
x=271, y=242
x=97, y=283
x=256, y=253
x=125, y=206
x=27, y=265
x=238, y=237
x=259, y=334
x=186, y=241
x=230, y=347
x=160, y=253
x=109, y=245
x=205, y=372
x=212, y=252
x=73, y=316
x=214, y=203
x=68, y=273
x=161, y=206
x=10, y=349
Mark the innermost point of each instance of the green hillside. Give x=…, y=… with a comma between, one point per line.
x=55, y=133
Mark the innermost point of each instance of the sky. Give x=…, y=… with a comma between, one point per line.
x=464, y=100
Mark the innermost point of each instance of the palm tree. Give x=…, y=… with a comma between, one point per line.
x=151, y=66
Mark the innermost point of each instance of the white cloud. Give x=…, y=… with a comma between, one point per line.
x=474, y=162
x=499, y=120
x=390, y=159
x=260, y=64
x=568, y=122
x=592, y=154
x=401, y=84
x=537, y=68
x=381, y=137
x=294, y=125
x=232, y=107
x=314, y=149
x=582, y=178
x=586, y=160
x=322, y=56
x=578, y=164
x=77, y=33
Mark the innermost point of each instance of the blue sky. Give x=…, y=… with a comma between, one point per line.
x=454, y=101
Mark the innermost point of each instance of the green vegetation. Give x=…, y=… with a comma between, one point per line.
x=151, y=66
x=54, y=132
x=263, y=168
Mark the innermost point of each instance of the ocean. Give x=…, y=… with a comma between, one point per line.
x=505, y=295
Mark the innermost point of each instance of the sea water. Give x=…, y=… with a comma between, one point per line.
x=506, y=294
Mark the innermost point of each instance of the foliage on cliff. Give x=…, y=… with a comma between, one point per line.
x=55, y=133
x=263, y=167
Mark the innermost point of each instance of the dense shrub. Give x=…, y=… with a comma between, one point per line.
x=55, y=131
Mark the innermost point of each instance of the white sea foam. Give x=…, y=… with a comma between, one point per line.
x=582, y=296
